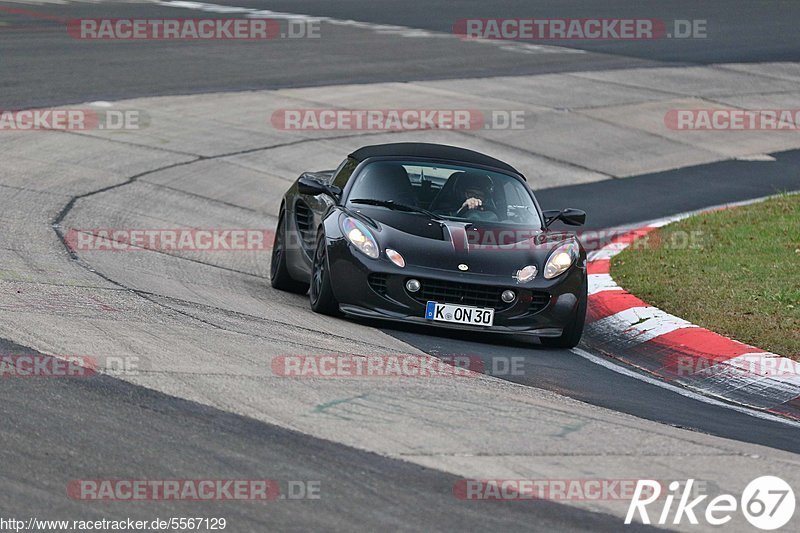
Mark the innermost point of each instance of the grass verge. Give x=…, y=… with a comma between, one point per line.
x=735, y=272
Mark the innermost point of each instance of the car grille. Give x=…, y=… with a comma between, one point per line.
x=378, y=283
x=450, y=292
x=539, y=300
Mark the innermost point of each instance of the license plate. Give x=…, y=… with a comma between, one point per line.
x=459, y=314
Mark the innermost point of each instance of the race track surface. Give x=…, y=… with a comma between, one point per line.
x=204, y=328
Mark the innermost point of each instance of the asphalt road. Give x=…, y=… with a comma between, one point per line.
x=57, y=430
x=42, y=65
x=737, y=30
x=619, y=202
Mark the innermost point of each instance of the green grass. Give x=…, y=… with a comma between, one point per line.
x=736, y=272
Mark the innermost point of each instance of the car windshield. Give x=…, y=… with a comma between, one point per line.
x=453, y=192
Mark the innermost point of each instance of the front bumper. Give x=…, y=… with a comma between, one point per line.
x=542, y=307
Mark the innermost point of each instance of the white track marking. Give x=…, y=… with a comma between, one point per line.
x=755, y=157
x=659, y=222
x=680, y=390
x=664, y=221
x=764, y=377
x=608, y=251
x=383, y=29
x=64, y=2
x=602, y=282
x=768, y=364
x=641, y=324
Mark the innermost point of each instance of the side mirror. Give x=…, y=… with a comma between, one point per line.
x=312, y=187
x=569, y=216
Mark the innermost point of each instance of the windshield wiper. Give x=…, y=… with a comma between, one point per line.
x=391, y=204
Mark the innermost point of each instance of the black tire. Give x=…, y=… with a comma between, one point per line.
x=321, y=293
x=571, y=335
x=278, y=273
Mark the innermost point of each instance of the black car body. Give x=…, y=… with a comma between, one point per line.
x=358, y=236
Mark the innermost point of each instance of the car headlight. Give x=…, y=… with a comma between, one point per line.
x=359, y=236
x=561, y=259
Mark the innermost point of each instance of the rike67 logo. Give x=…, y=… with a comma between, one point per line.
x=767, y=503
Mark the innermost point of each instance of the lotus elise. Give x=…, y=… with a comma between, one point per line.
x=432, y=234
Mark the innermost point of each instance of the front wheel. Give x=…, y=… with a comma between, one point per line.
x=321, y=293
x=572, y=333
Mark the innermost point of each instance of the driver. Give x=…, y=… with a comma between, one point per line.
x=477, y=192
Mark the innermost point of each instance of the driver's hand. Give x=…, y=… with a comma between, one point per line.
x=472, y=203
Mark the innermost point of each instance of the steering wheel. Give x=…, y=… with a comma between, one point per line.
x=486, y=212
x=481, y=214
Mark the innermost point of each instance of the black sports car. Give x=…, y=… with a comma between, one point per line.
x=432, y=234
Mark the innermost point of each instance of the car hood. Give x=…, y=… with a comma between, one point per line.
x=485, y=248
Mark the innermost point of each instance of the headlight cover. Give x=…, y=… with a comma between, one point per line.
x=561, y=259
x=359, y=236
x=395, y=257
